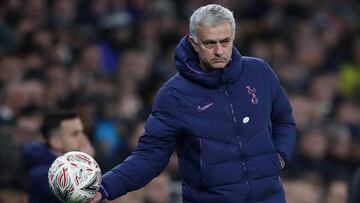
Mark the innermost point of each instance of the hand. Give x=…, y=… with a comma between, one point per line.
x=96, y=198
x=87, y=147
x=282, y=161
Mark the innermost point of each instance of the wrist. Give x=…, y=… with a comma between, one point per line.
x=104, y=193
x=282, y=161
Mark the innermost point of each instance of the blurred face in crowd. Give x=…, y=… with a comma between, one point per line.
x=337, y=192
x=70, y=137
x=214, y=45
x=314, y=145
x=158, y=190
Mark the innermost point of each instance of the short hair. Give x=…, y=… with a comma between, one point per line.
x=52, y=122
x=210, y=15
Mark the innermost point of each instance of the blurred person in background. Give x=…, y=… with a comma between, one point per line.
x=354, y=188
x=337, y=192
x=12, y=172
x=303, y=191
x=159, y=190
x=310, y=156
x=313, y=46
x=11, y=195
x=229, y=151
x=136, y=196
x=339, y=153
x=350, y=73
x=63, y=132
x=28, y=124
x=137, y=132
x=303, y=110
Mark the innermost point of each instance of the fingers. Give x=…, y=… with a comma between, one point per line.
x=97, y=198
x=87, y=147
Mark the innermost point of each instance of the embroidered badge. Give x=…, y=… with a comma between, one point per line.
x=252, y=92
x=204, y=107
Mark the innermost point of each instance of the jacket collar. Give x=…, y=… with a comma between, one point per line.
x=186, y=61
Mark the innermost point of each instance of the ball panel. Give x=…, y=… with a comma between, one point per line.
x=74, y=177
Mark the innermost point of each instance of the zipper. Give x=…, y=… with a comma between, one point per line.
x=238, y=138
x=201, y=158
x=233, y=113
x=240, y=143
x=231, y=106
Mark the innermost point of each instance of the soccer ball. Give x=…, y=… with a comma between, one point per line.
x=74, y=177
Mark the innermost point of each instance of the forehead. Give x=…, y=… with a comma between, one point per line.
x=71, y=124
x=218, y=32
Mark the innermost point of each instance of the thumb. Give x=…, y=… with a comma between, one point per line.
x=96, y=198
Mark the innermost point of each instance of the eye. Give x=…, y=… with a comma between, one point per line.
x=209, y=44
x=225, y=42
x=76, y=133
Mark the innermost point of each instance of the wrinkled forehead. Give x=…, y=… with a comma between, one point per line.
x=215, y=33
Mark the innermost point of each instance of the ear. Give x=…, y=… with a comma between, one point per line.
x=192, y=42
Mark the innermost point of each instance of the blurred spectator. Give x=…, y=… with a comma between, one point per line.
x=138, y=131
x=12, y=173
x=28, y=124
x=350, y=73
x=302, y=191
x=311, y=155
x=159, y=190
x=107, y=58
x=339, y=152
x=354, y=191
x=337, y=192
x=131, y=197
x=107, y=138
x=12, y=196
x=304, y=112
x=62, y=132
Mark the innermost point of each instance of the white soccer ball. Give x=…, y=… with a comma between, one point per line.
x=74, y=177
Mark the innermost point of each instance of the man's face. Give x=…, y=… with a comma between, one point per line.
x=72, y=137
x=214, y=45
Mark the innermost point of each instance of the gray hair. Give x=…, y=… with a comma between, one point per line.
x=210, y=15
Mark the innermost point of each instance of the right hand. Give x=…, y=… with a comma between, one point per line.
x=87, y=147
x=96, y=198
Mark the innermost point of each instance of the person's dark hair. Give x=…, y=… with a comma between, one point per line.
x=53, y=120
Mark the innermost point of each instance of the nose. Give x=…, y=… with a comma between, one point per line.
x=218, y=49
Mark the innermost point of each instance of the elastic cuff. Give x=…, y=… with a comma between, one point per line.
x=104, y=193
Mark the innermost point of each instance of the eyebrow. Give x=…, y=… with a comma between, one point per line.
x=214, y=41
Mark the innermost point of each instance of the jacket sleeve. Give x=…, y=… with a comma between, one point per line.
x=153, y=151
x=283, y=124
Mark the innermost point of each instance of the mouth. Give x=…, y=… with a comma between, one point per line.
x=218, y=60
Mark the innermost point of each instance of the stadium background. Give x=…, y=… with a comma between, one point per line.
x=107, y=59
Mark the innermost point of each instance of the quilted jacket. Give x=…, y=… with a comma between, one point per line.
x=228, y=127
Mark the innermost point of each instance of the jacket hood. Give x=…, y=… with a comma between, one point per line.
x=37, y=153
x=186, y=61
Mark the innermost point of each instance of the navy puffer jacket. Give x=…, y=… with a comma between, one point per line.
x=228, y=127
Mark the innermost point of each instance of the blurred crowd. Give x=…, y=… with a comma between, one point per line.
x=107, y=58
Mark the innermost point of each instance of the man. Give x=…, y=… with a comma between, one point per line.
x=62, y=132
x=226, y=115
x=354, y=188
